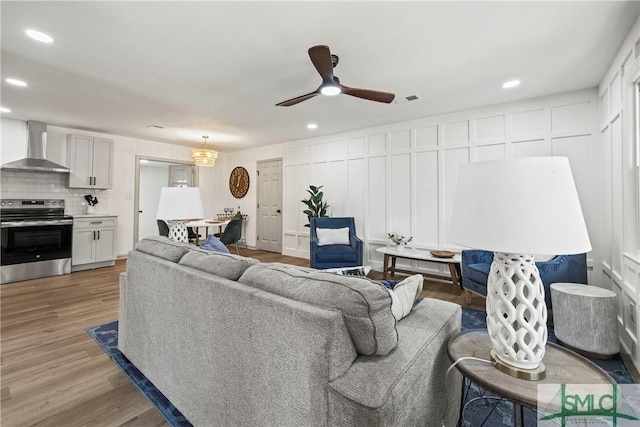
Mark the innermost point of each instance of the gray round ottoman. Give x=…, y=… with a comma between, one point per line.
x=585, y=319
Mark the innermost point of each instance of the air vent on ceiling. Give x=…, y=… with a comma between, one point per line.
x=156, y=126
x=402, y=100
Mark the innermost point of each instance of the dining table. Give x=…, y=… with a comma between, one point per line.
x=206, y=223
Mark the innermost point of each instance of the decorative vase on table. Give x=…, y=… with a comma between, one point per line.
x=399, y=240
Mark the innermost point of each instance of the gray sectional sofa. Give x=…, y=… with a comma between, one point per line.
x=232, y=342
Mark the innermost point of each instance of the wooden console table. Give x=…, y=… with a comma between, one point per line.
x=391, y=254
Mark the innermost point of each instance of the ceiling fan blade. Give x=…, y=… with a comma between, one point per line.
x=294, y=101
x=321, y=59
x=371, y=95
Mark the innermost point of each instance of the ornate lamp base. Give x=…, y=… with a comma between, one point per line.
x=516, y=314
x=178, y=231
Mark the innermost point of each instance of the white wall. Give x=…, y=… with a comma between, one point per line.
x=620, y=250
x=402, y=177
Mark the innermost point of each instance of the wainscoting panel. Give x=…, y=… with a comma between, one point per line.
x=400, y=141
x=489, y=129
x=490, y=152
x=538, y=147
x=528, y=124
x=427, y=185
x=376, y=222
x=337, y=150
x=377, y=144
x=356, y=190
x=456, y=133
x=291, y=202
x=399, y=200
x=426, y=137
x=356, y=147
x=453, y=159
x=336, y=190
x=571, y=118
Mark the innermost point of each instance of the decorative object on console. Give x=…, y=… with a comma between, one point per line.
x=239, y=182
x=399, y=240
x=176, y=205
x=91, y=203
x=517, y=208
x=204, y=156
x=442, y=254
x=316, y=208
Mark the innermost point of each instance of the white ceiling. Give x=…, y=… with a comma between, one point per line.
x=218, y=68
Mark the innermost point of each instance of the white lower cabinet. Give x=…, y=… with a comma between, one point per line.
x=94, y=242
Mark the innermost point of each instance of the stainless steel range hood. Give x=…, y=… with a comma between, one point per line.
x=36, y=151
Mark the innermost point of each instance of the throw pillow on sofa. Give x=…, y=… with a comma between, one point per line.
x=365, y=305
x=214, y=244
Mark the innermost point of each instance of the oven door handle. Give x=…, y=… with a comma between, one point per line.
x=13, y=224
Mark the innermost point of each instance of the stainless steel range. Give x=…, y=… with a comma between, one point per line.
x=36, y=239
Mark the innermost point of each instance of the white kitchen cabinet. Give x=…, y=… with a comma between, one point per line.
x=94, y=242
x=91, y=162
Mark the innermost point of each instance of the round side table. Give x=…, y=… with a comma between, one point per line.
x=585, y=319
x=563, y=366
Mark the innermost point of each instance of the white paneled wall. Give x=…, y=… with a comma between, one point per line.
x=402, y=177
x=618, y=157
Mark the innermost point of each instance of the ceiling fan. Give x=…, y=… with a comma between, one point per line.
x=325, y=62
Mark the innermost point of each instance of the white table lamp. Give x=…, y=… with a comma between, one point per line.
x=517, y=208
x=176, y=205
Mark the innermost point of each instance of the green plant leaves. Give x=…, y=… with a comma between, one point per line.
x=316, y=207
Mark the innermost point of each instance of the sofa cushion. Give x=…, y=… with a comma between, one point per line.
x=364, y=304
x=221, y=264
x=164, y=248
x=336, y=254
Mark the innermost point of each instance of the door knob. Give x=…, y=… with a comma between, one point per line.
x=139, y=211
x=278, y=211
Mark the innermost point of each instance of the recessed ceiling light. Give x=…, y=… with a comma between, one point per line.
x=510, y=84
x=39, y=36
x=16, y=82
x=5, y=110
x=312, y=126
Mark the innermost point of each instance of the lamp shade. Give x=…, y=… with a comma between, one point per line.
x=526, y=206
x=180, y=203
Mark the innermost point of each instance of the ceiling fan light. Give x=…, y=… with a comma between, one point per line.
x=330, y=90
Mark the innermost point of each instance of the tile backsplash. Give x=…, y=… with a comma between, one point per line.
x=17, y=184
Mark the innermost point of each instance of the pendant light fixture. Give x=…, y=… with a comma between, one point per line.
x=204, y=156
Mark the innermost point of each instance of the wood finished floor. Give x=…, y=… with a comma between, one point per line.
x=52, y=372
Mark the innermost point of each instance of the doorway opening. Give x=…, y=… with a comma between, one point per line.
x=151, y=175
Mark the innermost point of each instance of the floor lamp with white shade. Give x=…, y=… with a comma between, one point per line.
x=176, y=205
x=518, y=208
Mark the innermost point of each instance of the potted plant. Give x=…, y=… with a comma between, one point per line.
x=399, y=240
x=316, y=208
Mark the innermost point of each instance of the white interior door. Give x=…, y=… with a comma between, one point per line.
x=269, y=224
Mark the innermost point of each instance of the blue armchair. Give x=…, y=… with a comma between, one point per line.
x=562, y=268
x=333, y=256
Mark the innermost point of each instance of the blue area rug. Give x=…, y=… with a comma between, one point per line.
x=479, y=411
x=107, y=337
